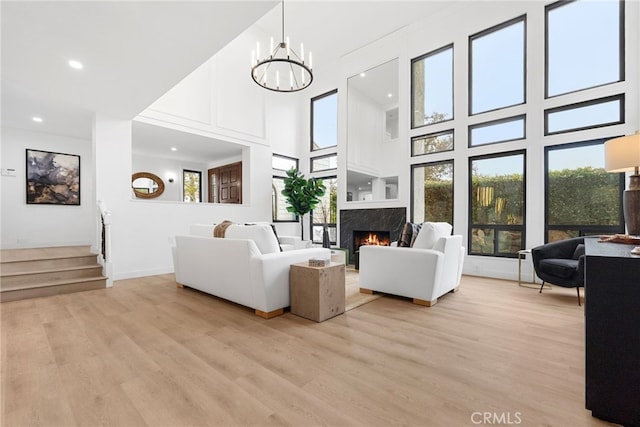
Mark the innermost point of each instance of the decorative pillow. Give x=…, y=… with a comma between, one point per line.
x=429, y=234
x=262, y=235
x=408, y=234
x=273, y=227
x=579, y=251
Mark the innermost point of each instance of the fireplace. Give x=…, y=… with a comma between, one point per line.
x=370, y=237
x=390, y=220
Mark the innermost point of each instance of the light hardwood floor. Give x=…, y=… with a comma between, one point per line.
x=145, y=353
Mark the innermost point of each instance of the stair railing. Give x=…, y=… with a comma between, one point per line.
x=104, y=241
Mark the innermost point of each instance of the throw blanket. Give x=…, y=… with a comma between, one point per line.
x=221, y=228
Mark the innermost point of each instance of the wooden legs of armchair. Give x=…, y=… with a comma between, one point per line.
x=425, y=302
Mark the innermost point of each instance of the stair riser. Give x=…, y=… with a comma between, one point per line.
x=10, y=255
x=7, y=296
x=46, y=264
x=10, y=282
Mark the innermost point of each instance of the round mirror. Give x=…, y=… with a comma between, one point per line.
x=146, y=185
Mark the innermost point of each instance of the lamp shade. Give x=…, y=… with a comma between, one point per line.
x=622, y=154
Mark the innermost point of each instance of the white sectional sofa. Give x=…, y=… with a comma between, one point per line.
x=246, y=266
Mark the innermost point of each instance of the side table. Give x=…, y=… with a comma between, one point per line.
x=522, y=255
x=317, y=293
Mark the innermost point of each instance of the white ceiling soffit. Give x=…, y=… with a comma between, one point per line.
x=133, y=52
x=157, y=141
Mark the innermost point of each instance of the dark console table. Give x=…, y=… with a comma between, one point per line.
x=612, y=327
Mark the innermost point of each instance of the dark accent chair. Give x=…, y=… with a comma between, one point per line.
x=561, y=263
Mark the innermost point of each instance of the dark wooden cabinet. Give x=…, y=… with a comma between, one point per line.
x=612, y=327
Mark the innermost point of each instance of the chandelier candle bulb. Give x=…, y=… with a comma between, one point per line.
x=302, y=52
x=271, y=47
x=258, y=50
x=288, y=48
x=291, y=79
x=278, y=79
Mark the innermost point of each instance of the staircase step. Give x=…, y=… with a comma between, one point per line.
x=23, y=279
x=13, y=267
x=40, y=272
x=54, y=288
x=56, y=252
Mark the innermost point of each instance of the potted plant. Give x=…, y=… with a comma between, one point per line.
x=303, y=195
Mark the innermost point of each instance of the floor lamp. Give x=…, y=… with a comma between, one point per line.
x=623, y=154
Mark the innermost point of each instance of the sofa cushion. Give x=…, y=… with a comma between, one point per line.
x=429, y=234
x=408, y=234
x=262, y=235
x=564, y=268
x=578, y=252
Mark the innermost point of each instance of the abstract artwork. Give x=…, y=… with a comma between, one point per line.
x=52, y=178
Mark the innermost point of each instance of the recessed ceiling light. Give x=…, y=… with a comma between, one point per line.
x=37, y=119
x=390, y=95
x=174, y=149
x=76, y=65
x=362, y=74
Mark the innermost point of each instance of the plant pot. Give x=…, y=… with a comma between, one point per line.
x=326, y=243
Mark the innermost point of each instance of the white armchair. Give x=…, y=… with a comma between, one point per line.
x=424, y=272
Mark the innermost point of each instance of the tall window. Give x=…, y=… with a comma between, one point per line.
x=581, y=197
x=432, y=190
x=326, y=213
x=497, y=62
x=279, y=203
x=432, y=87
x=280, y=164
x=324, y=121
x=497, y=204
x=584, y=45
x=191, y=186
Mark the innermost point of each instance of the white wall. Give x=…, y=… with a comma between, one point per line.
x=214, y=101
x=25, y=225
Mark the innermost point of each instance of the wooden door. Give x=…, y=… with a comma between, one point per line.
x=226, y=184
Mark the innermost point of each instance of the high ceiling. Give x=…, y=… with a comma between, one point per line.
x=133, y=52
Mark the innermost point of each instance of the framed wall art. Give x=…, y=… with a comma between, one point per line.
x=52, y=178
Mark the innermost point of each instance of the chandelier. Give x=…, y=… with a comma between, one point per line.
x=282, y=70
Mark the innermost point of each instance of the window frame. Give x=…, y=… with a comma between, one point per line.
x=621, y=52
x=453, y=187
x=483, y=33
x=470, y=128
x=295, y=217
x=431, y=135
x=423, y=57
x=322, y=157
x=328, y=224
x=282, y=156
x=311, y=122
x=582, y=229
x=522, y=228
x=620, y=97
